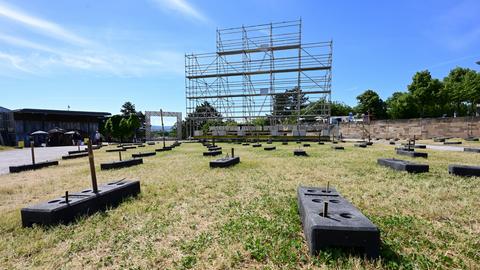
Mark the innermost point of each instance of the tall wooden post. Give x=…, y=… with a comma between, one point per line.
x=92, y=167
x=32, y=146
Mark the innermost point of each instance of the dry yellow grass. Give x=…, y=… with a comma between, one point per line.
x=191, y=216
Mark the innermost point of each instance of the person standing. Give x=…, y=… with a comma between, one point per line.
x=97, y=137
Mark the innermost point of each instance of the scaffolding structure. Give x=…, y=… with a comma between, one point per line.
x=260, y=71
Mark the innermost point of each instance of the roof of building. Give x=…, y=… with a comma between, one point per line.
x=3, y=109
x=61, y=112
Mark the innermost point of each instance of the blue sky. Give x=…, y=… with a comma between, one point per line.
x=95, y=55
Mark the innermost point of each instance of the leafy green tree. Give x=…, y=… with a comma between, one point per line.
x=124, y=129
x=369, y=102
x=340, y=109
x=112, y=126
x=204, y=110
x=133, y=124
x=402, y=105
x=426, y=90
x=471, y=86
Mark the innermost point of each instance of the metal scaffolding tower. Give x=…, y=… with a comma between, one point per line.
x=260, y=71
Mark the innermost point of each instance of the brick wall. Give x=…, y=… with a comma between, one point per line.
x=424, y=128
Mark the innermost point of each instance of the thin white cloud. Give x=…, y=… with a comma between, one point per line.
x=39, y=59
x=41, y=25
x=182, y=7
x=16, y=61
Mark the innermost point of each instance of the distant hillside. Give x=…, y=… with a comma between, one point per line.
x=159, y=128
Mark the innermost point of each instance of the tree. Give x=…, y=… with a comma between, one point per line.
x=471, y=86
x=369, y=102
x=340, y=109
x=127, y=109
x=124, y=129
x=202, y=112
x=426, y=90
x=402, y=105
x=112, y=126
x=133, y=124
x=454, y=89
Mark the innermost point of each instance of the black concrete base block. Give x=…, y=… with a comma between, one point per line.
x=464, y=170
x=214, y=148
x=450, y=143
x=403, y=165
x=224, y=162
x=335, y=142
x=470, y=149
x=129, y=147
x=77, y=152
x=121, y=164
x=151, y=143
x=338, y=147
x=362, y=145
x=391, y=143
x=299, y=152
x=82, y=203
x=269, y=148
x=343, y=226
x=472, y=139
x=298, y=142
x=284, y=143
x=116, y=150
x=144, y=154
x=212, y=153
x=28, y=167
x=257, y=145
x=306, y=145
x=369, y=143
x=420, y=146
x=412, y=153
x=79, y=155
x=166, y=148
x=404, y=149
x=321, y=143
x=245, y=144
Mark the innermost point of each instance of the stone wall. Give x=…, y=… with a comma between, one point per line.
x=424, y=128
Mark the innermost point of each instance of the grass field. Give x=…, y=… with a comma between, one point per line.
x=191, y=216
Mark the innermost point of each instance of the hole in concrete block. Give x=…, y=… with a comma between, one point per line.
x=121, y=183
x=311, y=190
x=54, y=201
x=346, y=215
x=334, y=201
x=326, y=191
x=86, y=191
x=317, y=200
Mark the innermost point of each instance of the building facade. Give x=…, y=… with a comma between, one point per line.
x=19, y=124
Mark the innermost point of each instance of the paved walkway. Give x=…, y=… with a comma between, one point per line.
x=22, y=156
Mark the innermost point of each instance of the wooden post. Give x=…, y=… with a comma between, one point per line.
x=120, y=155
x=32, y=146
x=66, y=196
x=92, y=167
x=233, y=152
